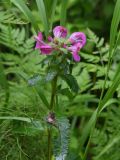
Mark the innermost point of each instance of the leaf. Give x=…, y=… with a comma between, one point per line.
x=48, y=7
x=108, y=146
x=54, y=4
x=29, y=129
x=3, y=81
x=42, y=95
x=71, y=81
x=42, y=12
x=61, y=142
x=34, y=80
x=114, y=25
x=100, y=43
x=87, y=129
x=103, y=104
x=6, y=17
x=90, y=58
x=4, y=84
x=111, y=90
x=63, y=12
x=65, y=92
x=50, y=75
x=22, y=6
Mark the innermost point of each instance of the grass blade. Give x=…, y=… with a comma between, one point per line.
x=48, y=4
x=42, y=96
x=115, y=140
x=111, y=90
x=114, y=25
x=87, y=129
x=63, y=12
x=53, y=13
x=43, y=15
x=23, y=7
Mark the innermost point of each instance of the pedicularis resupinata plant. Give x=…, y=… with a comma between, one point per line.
x=62, y=52
x=70, y=107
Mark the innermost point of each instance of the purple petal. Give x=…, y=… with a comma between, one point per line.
x=38, y=45
x=46, y=49
x=76, y=56
x=39, y=37
x=39, y=41
x=75, y=47
x=60, y=32
x=78, y=37
x=50, y=39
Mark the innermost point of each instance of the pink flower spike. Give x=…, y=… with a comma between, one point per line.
x=60, y=32
x=78, y=37
x=46, y=49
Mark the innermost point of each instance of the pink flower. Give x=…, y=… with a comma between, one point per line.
x=60, y=32
x=44, y=48
x=76, y=41
x=74, y=49
x=78, y=37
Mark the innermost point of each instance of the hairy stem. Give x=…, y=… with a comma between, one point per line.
x=52, y=102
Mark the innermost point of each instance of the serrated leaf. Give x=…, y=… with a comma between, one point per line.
x=50, y=75
x=71, y=81
x=61, y=142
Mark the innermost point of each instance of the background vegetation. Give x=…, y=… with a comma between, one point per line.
x=93, y=135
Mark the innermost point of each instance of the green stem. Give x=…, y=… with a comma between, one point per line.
x=49, y=143
x=52, y=102
x=54, y=85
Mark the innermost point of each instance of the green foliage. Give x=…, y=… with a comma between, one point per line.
x=23, y=7
x=25, y=77
x=7, y=17
x=106, y=141
x=42, y=12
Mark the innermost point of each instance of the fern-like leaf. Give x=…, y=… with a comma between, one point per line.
x=10, y=18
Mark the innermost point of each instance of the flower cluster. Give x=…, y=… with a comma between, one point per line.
x=73, y=44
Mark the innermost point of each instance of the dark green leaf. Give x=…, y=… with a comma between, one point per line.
x=71, y=81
